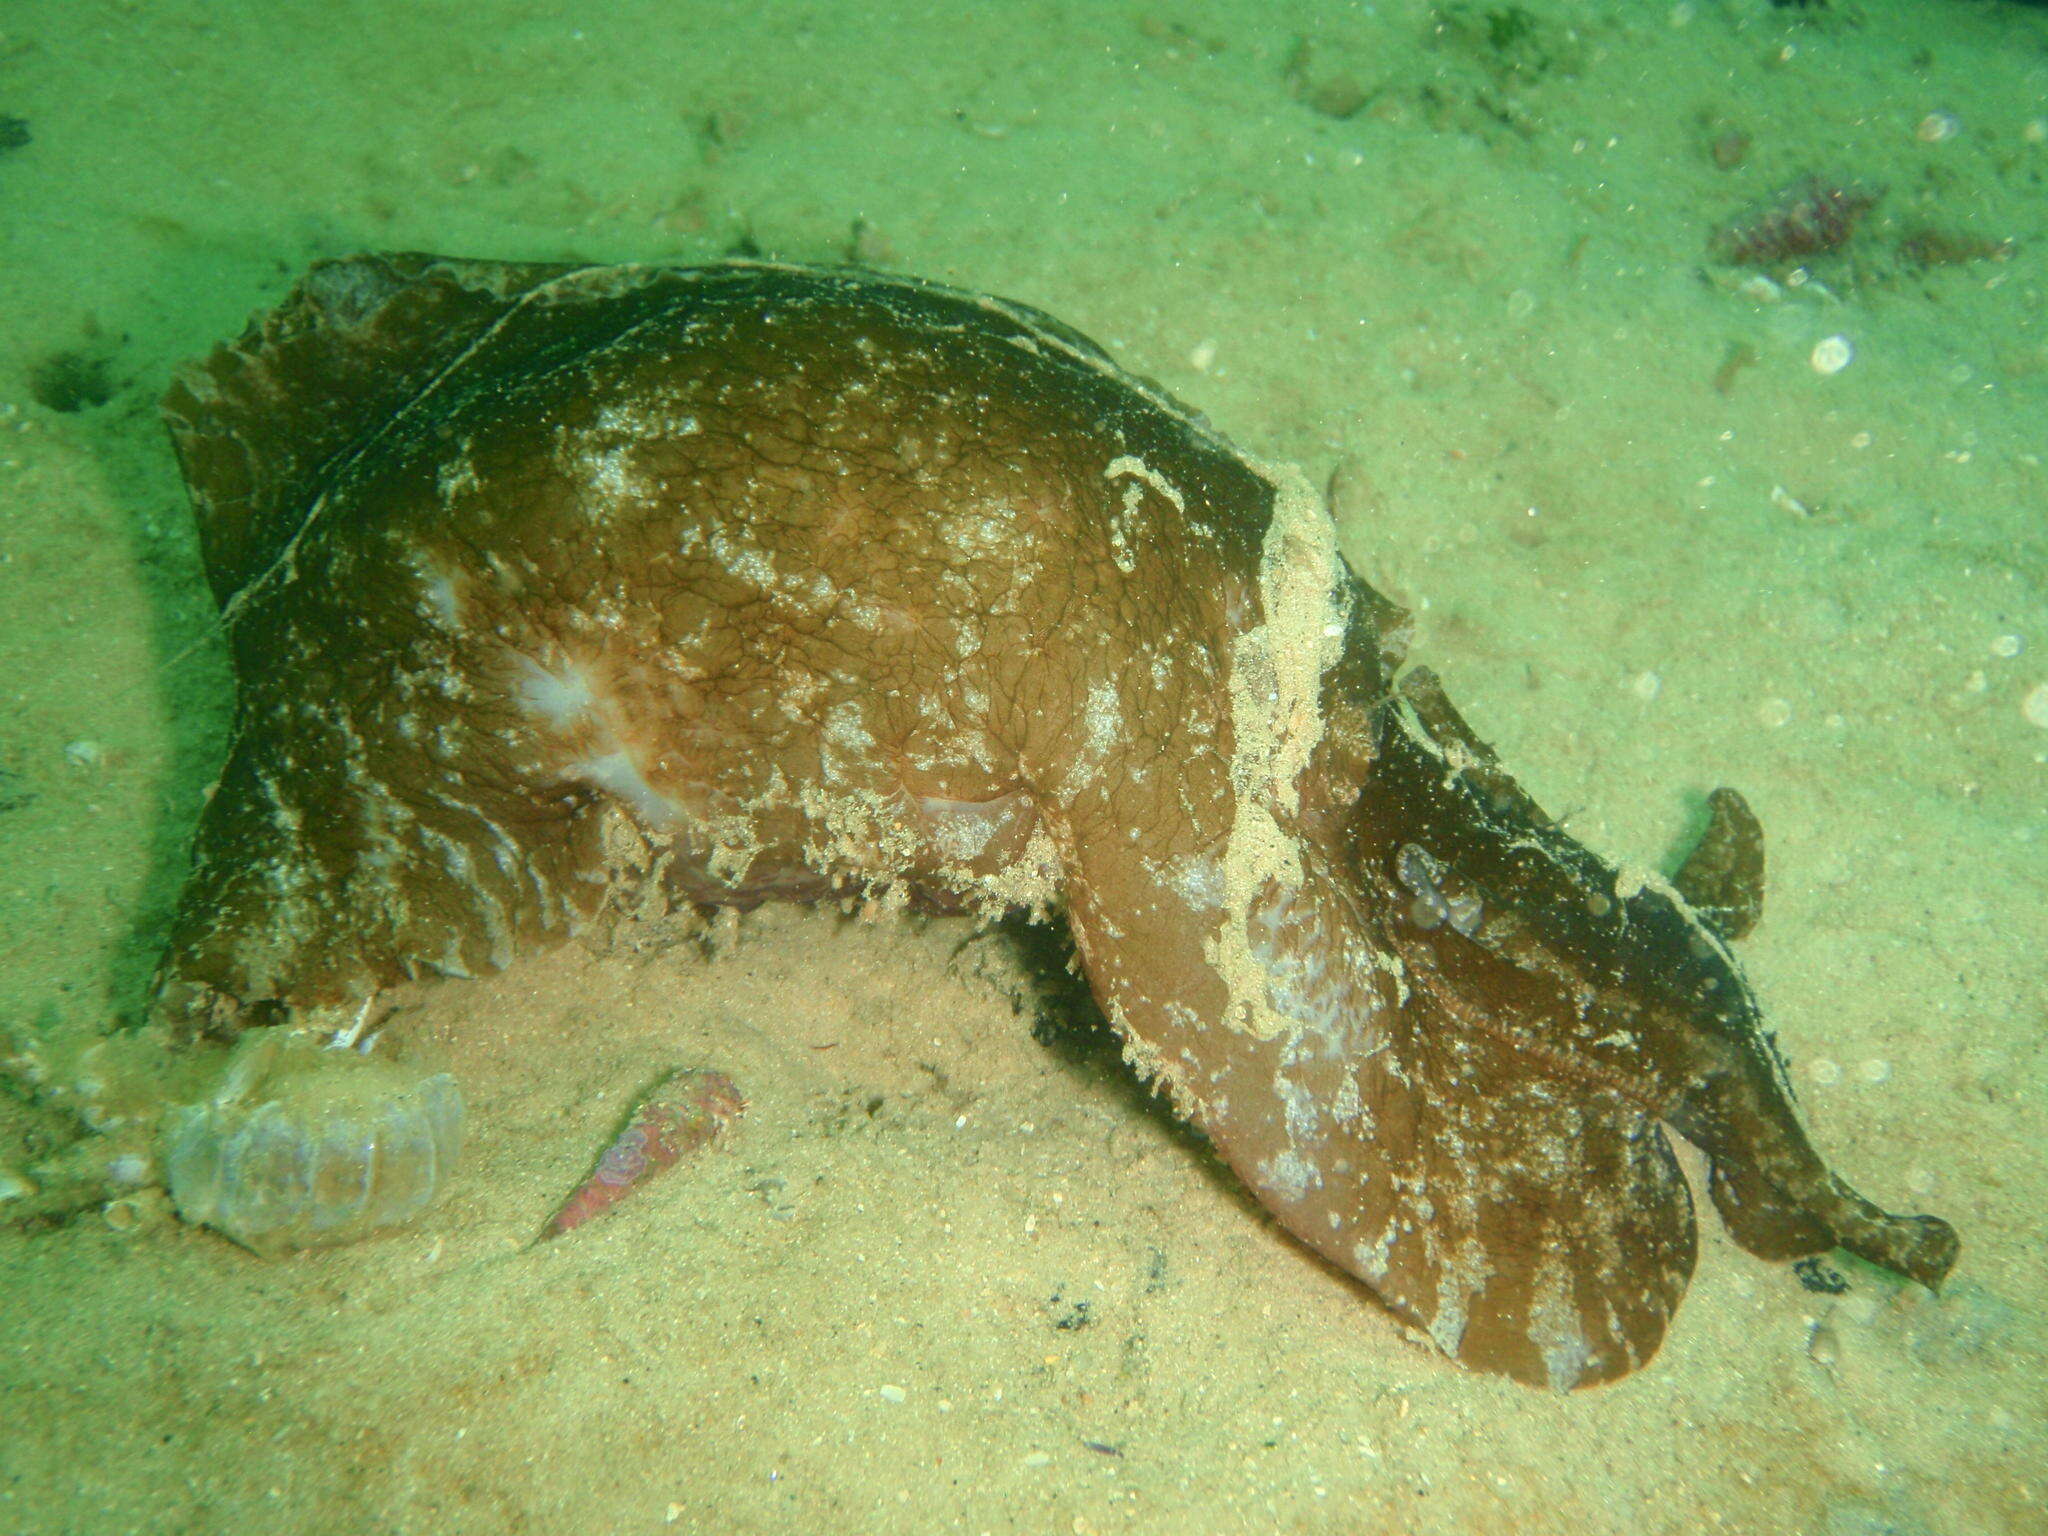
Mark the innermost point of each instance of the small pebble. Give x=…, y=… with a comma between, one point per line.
x=1831, y=354
x=1774, y=713
x=889, y=1392
x=2034, y=707
x=1824, y=1346
x=1203, y=358
x=1875, y=1070
x=127, y=1216
x=1340, y=96
x=1824, y=1071
x=83, y=753
x=1938, y=127
x=1785, y=501
x=1647, y=686
x=2006, y=646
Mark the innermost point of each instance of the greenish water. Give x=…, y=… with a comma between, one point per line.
x=1658, y=536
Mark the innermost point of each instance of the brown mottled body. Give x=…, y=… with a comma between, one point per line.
x=1812, y=216
x=544, y=583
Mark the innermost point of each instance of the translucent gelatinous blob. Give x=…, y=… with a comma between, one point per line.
x=1435, y=903
x=304, y=1146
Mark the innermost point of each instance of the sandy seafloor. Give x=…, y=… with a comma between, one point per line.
x=1642, y=573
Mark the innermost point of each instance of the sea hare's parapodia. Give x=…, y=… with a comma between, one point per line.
x=547, y=582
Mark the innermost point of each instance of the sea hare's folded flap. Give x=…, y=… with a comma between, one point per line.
x=259, y=423
x=1557, y=1009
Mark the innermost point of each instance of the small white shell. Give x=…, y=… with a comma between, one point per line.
x=304, y=1146
x=1831, y=354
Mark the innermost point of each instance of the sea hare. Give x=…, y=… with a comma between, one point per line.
x=551, y=586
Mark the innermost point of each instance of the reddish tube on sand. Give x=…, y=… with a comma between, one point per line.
x=679, y=1115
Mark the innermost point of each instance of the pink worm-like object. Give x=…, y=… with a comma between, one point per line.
x=682, y=1113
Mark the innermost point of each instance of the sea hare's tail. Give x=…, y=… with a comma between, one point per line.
x=1773, y=1223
